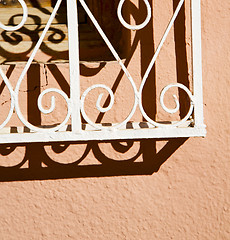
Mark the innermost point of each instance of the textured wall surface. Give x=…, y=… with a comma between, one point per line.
x=181, y=192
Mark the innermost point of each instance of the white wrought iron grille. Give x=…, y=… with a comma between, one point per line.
x=77, y=123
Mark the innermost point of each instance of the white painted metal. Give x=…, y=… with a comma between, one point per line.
x=76, y=103
x=136, y=27
x=197, y=63
x=74, y=65
x=167, y=87
x=24, y=18
x=116, y=56
x=102, y=135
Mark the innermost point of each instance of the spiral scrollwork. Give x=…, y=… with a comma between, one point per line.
x=46, y=111
x=137, y=94
x=24, y=18
x=163, y=92
x=166, y=109
x=104, y=109
x=98, y=103
x=52, y=107
x=16, y=91
x=2, y=74
x=129, y=26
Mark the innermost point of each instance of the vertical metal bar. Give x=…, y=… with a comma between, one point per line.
x=197, y=63
x=74, y=64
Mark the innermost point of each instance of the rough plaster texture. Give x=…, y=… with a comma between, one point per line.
x=182, y=192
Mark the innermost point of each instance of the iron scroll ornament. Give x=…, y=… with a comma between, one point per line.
x=137, y=94
x=14, y=93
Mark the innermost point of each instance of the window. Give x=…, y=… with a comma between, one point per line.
x=55, y=43
x=33, y=45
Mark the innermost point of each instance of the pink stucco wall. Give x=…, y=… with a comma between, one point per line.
x=176, y=189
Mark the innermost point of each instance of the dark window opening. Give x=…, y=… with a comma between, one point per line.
x=17, y=46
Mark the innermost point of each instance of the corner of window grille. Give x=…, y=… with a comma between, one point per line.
x=58, y=65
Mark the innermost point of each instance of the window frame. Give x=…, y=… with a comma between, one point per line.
x=83, y=132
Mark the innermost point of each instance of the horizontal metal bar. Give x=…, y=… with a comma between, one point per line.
x=142, y=133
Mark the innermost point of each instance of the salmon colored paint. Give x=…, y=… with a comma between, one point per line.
x=144, y=190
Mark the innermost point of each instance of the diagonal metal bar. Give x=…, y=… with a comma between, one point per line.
x=161, y=43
